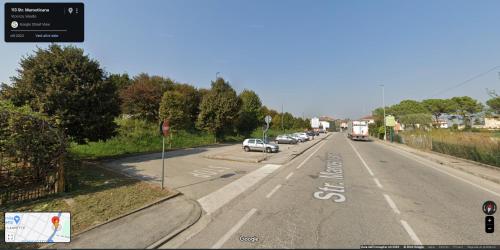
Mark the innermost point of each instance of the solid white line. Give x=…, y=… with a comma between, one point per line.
x=429, y=163
x=410, y=231
x=273, y=191
x=301, y=164
x=378, y=183
x=215, y=200
x=289, y=175
x=392, y=204
x=361, y=158
x=235, y=228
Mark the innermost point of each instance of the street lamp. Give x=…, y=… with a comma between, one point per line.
x=217, y=76
x=383, y=106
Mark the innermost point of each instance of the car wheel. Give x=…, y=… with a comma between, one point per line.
x=246, y=149
x=268, y=150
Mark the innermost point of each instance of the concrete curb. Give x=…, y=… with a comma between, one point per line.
x=293, y=156
x=174, y=194
x=230, y=158
x=420, y=153
x=195, y=217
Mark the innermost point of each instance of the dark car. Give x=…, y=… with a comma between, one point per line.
x=284, y=139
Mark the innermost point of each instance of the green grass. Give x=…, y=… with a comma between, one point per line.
x=94, y=195
x=135, y=136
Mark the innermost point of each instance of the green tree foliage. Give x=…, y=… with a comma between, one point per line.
x=439, y=106
x=69, y=86
x=174, y=107
x=192, y=98
x=219, y=108
x=142, y=98
x=30, y=139
x=494, y=104
x=467, y=106
x=121, y=81
x=414, y=119
x=407, y=107
x=248, y=117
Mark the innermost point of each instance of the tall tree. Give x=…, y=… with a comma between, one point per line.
x=174, y=106
x=66, y=84
x=439, y=106
x=219, y=108
x=142, y=98
x=192, y=98
x=494, y=104
x=467, y=106
x=406, y=107
x=248, y=117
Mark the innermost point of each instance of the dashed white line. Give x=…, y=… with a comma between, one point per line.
x=289, y=175
x=410, y=231
x=392, y=204
x=378, y=183
x=235, y=228
x=361, y=158
x=273, y=191
x=305, y=160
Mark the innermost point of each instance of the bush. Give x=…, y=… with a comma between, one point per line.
x=30, y=145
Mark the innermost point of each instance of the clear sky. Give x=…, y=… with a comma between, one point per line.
x=314, y=57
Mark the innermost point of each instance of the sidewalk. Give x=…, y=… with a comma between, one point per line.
x=481, y=170
x=146, y=228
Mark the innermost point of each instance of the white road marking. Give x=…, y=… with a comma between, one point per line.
x=289, y=175
x=428, y=163
x=410, y=231
x=392, y=204
x=215, y=200
x=378, y=183
x=273, y=191
x=235, y=228
x=305, y=160
x=361, y=158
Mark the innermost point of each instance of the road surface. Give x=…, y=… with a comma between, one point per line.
x=343, y=194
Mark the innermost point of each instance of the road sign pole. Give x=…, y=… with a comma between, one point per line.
x=163, y=164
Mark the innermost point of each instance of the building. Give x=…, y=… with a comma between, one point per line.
x=369, y=119
x=492, y=122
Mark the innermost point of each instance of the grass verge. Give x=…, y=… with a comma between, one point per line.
x=94, y=196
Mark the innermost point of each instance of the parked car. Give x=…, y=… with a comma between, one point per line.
x=253, y=144
x=296, y=137
x=303, y=136
x=285, y=139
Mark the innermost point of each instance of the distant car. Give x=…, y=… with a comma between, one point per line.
x=296, y=137
x=285, y=139
x=253, y=144
x=311, y=133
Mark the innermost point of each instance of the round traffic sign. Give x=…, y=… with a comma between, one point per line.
x=165, y=127
x=268, y=119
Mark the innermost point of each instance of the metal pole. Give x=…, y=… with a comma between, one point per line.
x=383, y=104
x=163, y=164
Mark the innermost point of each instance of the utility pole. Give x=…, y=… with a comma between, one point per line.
x=383, y=105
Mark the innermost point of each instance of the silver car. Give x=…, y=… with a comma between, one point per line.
x=253, y=144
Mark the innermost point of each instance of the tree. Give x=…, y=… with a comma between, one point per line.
x=406, y=107
x=218, y=109
x=70, y=87
x=439, y=106
x=494, y=104
x=192, y=98
x=467, y=106
x=142, y=98
x=174, y=107
x=121, y=81
x=414, y=119
x=248, y=117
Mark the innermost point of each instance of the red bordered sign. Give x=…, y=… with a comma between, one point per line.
x=165, y=127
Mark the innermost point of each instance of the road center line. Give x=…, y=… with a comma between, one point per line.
x=235, y=228
x=305, y=160
x=273, y=191
x=361, y=158
x=378, y=183
x=289, y=175
x=410, y=231
x=392, y=204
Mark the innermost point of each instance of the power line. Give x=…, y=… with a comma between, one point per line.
x=465, y=82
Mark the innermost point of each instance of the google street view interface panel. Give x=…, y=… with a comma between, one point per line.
x=249, y=124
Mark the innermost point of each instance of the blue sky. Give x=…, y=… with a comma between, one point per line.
x=314, y=57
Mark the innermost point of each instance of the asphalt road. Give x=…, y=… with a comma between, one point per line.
x=343, y=194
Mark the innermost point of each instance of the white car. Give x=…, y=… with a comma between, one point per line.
x=259, y=145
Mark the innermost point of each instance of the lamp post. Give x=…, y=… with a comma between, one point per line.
x=383, y=106
x=217, y=76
